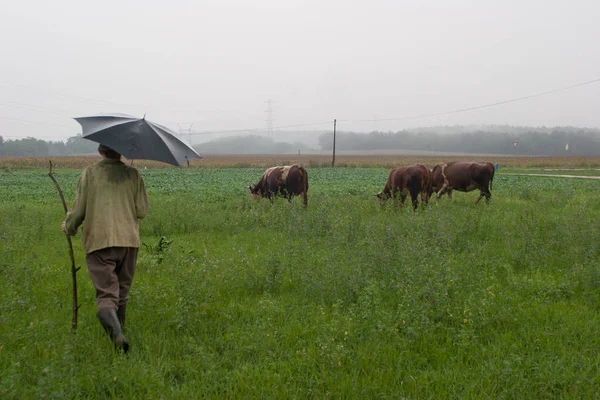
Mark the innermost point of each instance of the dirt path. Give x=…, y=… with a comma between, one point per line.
x=558, y=176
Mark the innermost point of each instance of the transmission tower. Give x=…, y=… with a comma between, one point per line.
x=270, y=118
x=187, y=131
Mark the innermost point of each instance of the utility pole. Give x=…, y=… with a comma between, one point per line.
x=188, y=131
x=270, y=119
x=333, y=160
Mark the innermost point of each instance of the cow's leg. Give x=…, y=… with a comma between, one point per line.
x=450, y=194
x=446, y=184
x=402, y=198
x=394, y=195
x=488, y=197
x=414, y=194
x=415, y=202
x=441, y=192
x=481, y=194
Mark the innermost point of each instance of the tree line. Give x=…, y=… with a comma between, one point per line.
x=32, y=147
x=251, y=144
x=492, y=139
x=531, y=141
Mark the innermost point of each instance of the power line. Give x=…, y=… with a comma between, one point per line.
x=259, y=129
x=299, y=126
x=106, y=103
x=34, y=137
x=35, y=122
x=270, y=119
x=482, y=106
x=422, y=115
x=78, y=98
x=329, y=121
x=32, y=107
x=187, y=130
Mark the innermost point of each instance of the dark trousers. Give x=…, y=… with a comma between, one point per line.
x=111, y=270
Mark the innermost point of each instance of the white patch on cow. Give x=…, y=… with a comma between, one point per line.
x=446, y=184
x=269, y=171
x=285, y=172
x=444, y=165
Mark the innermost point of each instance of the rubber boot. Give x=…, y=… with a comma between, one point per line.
x=110, y=322
x=121, y=314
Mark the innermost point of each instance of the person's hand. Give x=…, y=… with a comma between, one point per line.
x=64, y=227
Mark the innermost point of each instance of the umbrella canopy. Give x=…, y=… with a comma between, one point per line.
x=137, y=138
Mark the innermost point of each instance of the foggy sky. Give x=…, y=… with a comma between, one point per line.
x=215, y=63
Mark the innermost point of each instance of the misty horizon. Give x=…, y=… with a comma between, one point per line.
x=455, y=140
x=381, y=66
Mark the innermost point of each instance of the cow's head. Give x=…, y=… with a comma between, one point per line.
x=254, y=192
x=382, y=197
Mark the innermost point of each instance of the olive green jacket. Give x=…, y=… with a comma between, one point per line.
x=111, y=197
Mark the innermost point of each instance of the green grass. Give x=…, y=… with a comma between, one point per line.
x=246, y=299
x=553, y=171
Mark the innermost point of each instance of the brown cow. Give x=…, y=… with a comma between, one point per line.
x=412, y=179
x=464, y=177
x=287, y=181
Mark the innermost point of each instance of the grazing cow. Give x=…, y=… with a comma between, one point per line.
x=464, y=177
x=412, y=179
x=287, y=181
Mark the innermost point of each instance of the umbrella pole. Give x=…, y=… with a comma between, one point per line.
x=73, y=269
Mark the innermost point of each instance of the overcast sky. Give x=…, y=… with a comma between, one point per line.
x=216, y=63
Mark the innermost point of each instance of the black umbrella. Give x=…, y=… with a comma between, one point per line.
x=137, y=138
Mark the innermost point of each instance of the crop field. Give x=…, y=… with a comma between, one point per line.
x=236, y=298
x=319, y=160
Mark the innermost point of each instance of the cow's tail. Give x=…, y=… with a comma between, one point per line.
x=427, y=184
x=492, y=176
x=304, y=178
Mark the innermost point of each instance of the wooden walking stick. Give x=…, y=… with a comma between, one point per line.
x=73, y=269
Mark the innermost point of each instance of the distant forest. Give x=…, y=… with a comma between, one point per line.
x=489, y=139
x=36, y=147
x=252, y=144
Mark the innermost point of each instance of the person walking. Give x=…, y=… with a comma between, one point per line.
x=111, y=199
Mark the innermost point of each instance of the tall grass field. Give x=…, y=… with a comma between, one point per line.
x=237, y=298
